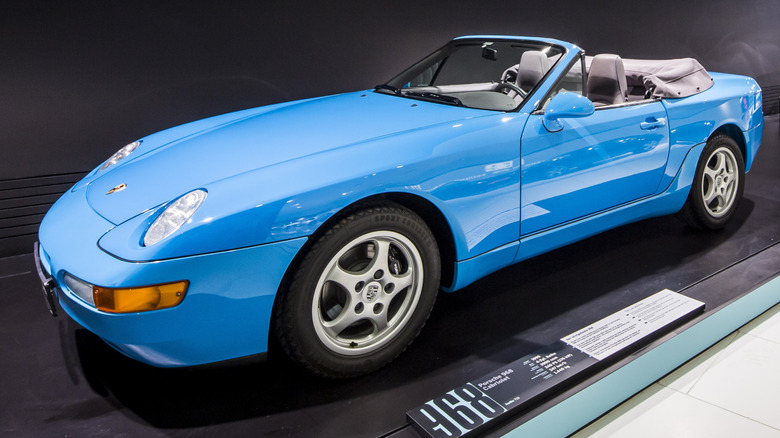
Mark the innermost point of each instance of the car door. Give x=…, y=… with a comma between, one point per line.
x=612, y=157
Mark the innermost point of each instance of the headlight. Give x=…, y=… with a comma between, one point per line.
x=174, y=216
x=122, y=153
x=81, y=288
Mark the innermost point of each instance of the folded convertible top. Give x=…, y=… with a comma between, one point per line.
x=668, y=78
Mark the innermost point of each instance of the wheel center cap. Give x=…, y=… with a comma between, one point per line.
x=719, y=181
x=372, y=291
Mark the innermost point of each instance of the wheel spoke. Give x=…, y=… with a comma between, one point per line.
x=379, y=262
x=720, y=163
x=719, y=202
x=728, y=193
x=379, y=321
x=345, y=279
x=730, y=173
x=346, y=318
x=710, y=195
x=710, y=174
x=402, y=281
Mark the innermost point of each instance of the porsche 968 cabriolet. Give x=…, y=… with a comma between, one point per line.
x=330, y=224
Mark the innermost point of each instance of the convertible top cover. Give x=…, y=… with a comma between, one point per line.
x=668, y=78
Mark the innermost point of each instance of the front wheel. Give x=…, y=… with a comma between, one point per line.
x=717, y=186
x=361, y=294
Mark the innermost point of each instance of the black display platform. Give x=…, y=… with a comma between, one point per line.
x=58, y=379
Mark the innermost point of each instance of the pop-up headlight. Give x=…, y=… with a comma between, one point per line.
x=119, y=155
x=174, y=216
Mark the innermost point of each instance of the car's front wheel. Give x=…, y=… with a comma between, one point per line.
x=361, y=293
x=717, y=186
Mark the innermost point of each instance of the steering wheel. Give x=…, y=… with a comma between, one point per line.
x=510, y=86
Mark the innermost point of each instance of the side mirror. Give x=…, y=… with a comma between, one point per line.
x=566, y=105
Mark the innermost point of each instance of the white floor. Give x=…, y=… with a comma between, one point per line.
x=730, y=390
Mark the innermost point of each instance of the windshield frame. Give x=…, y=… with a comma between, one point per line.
x=397, y=84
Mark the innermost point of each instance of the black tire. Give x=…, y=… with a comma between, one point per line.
x=717, y=186
x=378, y=268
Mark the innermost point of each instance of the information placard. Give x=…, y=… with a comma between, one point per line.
x=466, y=409
x=609, y=335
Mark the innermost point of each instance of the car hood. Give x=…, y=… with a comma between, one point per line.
x=164, y=168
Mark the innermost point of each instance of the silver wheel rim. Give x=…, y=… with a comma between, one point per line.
x=367, y=293
x=720, y=182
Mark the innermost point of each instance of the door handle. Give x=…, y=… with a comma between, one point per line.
x=653, y=123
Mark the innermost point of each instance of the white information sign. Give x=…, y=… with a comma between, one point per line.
x=622, y=328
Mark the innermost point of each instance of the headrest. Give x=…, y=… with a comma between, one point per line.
x=533, y=66
x=607, y=80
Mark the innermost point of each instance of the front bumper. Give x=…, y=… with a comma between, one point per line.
x=225, y=314
x=47, y=283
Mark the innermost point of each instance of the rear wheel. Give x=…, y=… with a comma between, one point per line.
x=361, y=294
x=717, y=186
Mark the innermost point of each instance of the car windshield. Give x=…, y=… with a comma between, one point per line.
x=494, y=75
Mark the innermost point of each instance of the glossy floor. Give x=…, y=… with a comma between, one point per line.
x=731, y=389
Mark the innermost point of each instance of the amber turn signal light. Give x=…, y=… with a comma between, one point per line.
x=139, y=299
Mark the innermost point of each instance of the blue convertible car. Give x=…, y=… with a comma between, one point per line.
x=331, y=223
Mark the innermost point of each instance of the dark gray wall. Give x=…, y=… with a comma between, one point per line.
x=80, y=79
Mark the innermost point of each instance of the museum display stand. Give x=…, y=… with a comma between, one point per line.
x=577, y=408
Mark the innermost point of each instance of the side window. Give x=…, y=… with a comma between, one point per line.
x=571, y=82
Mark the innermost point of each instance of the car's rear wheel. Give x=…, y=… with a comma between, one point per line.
x=361, y=293
x=717, y=186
